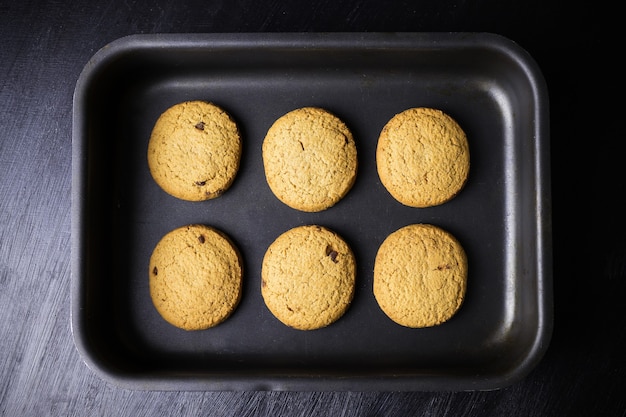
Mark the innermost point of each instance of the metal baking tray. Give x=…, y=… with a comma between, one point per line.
x=488, y=83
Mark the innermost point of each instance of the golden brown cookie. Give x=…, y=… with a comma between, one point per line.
x=308, y=277
x=420, y=276
x=195, y=277
x=310, y=159
x=423, y=157
x=194, y=151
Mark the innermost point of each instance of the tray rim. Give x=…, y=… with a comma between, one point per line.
x=336, y=40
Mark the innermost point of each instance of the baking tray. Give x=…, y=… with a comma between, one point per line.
x=488, y=83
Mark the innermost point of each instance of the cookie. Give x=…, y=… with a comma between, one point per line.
x=420, y=276
x=310, y=159
x=422, y=157
x=195, y=276
x=194, y=151
x=308, y=277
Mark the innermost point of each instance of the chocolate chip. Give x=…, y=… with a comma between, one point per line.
x=200, y=126
x=332, y=253
x=200, y=183
x=442, y=267
x=263, y=283
x=201, y=239
x=155, y=271
x=213, y=194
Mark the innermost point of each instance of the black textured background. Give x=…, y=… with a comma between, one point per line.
x=43, y=48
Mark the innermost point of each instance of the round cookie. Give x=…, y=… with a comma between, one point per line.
x=420, y=276
x=195, y=277
x=308, y=277
x=310, y=159
x=422, y=157
x=194, y=151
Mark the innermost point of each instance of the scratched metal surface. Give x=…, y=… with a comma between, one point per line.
x=45, y=46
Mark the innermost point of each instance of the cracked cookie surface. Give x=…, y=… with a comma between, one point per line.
x=310, y=159
x=422, y=157
x=420, y=275
x=194, y=151
x=308, y=277
x=195, y=277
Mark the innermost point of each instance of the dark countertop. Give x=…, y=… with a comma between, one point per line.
x=46, y=45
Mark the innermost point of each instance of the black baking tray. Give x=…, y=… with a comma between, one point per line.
x=488, y=83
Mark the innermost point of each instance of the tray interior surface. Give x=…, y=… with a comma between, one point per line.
x=120, y=213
